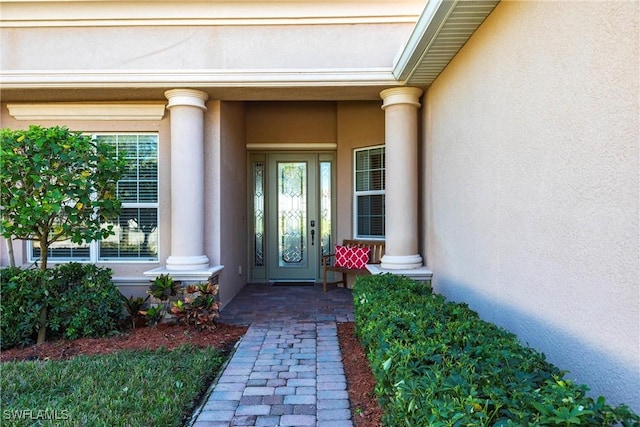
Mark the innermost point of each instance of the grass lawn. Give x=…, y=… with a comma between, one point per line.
x=125, y=388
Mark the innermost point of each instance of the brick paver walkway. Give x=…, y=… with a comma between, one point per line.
x=287, y=370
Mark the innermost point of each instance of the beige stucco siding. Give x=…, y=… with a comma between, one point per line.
x=202, y=47
x=531, y=184
x=231, y=246
x=291, y=122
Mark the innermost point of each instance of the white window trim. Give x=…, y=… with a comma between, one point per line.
x=355, y=195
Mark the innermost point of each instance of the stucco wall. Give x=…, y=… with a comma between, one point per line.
x=531, y=183
x=231, y=247
x=202, y=47
x=291, y=122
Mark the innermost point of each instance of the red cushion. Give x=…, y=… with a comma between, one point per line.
x=359, y=257
x=342, y=260
x=354, y=257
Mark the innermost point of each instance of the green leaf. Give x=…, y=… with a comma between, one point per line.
x=387, y=364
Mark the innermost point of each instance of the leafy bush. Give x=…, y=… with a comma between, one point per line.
x=82, y=302
x=23, y=295
x=134, y=307
x=437, y=363
x=200, y=309
x=86, y=302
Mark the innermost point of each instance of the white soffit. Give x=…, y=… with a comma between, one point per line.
x=442, y=29
x=87, y=111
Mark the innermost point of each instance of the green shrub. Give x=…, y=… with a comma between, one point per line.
x=82, y=301
x=86, y=302
x=437, y=363
x=23, y=294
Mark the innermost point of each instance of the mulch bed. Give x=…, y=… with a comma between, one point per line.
x=163, y=335
x=365, y=410
x=360, y=383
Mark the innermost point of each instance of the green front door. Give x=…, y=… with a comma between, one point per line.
x=292, y=222
x=291, y=215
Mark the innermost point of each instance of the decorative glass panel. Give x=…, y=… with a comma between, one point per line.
x=258, y=214
x=325, y=207
x=292, y=213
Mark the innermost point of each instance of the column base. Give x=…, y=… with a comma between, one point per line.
x=421, y=274
x=181, y=263
x=400, y=262
x=188, y=276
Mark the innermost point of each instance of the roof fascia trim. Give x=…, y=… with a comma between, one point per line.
x=431, y=21
x=17, y=79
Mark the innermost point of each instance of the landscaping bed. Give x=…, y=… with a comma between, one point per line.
x=437, y=363
x=168, y=336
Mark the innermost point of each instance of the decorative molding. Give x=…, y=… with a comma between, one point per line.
x=186, y=97
x=206, y=22
x=292, y=146
x=49, y=79
x=401, y=95
x=72, y=13
x=148, y=111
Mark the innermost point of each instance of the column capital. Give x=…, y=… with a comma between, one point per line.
x=401, y=95
x=186, y=97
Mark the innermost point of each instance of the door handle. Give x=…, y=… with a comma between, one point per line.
x=313, y=234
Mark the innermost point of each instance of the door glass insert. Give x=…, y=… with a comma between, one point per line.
x=292, y=213
x=258, y=214
x=325, y=207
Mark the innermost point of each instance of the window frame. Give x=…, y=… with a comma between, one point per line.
x=357, y=193
x=94, y=246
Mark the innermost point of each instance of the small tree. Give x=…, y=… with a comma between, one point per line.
x=57, y=185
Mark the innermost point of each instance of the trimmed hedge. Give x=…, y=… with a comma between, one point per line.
x=437, y=363
x=81, y=298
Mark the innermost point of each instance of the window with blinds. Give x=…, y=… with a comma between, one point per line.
x=136, y=229
x=369, y=190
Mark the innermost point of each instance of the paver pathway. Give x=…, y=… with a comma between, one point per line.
x=287, y=370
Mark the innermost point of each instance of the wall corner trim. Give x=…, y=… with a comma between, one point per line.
x=147, y=111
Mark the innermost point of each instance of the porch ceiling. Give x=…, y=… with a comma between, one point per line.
x=442, y=29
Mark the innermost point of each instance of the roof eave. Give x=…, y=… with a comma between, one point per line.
x=442, y=29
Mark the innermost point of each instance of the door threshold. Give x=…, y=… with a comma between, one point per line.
x=292, y=283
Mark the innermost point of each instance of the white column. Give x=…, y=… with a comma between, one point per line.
x=187, y=108
x=400, y=106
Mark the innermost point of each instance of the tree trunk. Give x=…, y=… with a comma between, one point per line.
x=12, y=259
x=42, y=328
